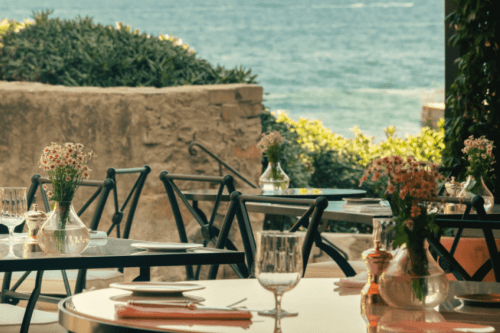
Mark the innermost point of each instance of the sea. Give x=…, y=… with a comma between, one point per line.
x=365, y=63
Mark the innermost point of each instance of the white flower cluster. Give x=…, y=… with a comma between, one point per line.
x=70, y=157
x=483, y=144
x=176, y=41
x=270, y=139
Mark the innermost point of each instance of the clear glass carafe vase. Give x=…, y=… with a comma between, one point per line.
x=401, y=287
x=471, y=188
x=63, y=232
x=274, y=178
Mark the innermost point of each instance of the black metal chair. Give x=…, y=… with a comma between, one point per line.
x=487, y=223
x=208, y=230
x=103, y=188
x=310, y=220
x=117, y=218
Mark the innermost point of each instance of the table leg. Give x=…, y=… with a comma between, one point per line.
x=31, y=303
x=144, y=274
x=81, y=281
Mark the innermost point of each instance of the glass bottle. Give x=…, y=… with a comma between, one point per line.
x=400, y=287
x=274, y=178
x=63, y=232
x=471, y=188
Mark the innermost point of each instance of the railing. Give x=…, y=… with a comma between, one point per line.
x=193, y=152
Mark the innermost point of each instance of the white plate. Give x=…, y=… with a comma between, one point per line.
x=156, y=287
x=166, y=246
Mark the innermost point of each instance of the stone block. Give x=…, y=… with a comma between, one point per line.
x=231, y=112
x=249, y=93
x=222, y=96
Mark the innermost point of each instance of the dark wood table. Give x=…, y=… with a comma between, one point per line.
x=331, y=194
x=101, y=253
x=320, y=305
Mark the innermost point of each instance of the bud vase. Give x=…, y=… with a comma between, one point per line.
x=414, y=285
x=63, y=232
x=471, y=188
x=274, y=178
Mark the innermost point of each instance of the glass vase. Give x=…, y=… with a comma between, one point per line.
x=413, y=287
x=274, y=178
x=63, y=232
x=471, y=188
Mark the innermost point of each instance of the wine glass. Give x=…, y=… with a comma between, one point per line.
x=13, y=207
x=278, y=265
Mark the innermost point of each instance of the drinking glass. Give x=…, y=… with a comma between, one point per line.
x=278, y=265
x=13, y=207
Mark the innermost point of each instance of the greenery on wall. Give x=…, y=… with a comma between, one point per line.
x=81, y=53
x=314, y=156
x=473, y=99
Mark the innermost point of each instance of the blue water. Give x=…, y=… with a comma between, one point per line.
x=362, y=63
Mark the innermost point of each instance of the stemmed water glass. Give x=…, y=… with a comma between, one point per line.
x=13, y=207
x=278, y=265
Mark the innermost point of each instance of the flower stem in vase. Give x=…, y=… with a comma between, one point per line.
x=419, y=266
x=60, y=234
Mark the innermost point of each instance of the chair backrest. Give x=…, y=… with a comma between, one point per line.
x=208, y=230
x=109, y=185
x=481, y=221
x=102, y=191
x=135, y=192
x=238, y=207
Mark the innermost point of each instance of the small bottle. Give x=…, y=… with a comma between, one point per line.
x=34, y=219
x=376, y=261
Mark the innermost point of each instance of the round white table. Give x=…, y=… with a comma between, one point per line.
x=320, y=308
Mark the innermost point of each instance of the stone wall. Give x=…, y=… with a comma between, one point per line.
x=431, y=113
x=131, y=127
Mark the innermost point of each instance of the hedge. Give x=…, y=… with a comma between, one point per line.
x=81, y=53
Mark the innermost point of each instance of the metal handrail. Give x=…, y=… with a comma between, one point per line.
x=193, y=152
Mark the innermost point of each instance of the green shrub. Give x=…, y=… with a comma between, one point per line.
x=314, y=156
x=314, y=136
x=11, y=26
x=81, y=53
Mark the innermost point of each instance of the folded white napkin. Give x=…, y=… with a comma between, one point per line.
x=354, y=282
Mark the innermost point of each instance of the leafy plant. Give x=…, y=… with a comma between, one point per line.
x=81, y=53
x=317, y=157
x=473, y=98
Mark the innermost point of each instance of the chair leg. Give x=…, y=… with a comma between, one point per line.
x=31, y=303
x=5, y=286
